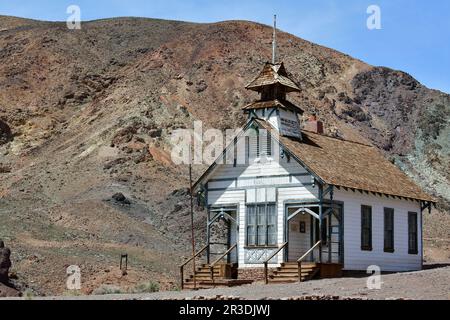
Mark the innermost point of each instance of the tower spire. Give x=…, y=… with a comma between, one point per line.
x=274, y=41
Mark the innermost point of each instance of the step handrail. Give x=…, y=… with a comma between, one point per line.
x=303, y=257
x=189, y=260
x=211, y=267
x=223, y=256
x=266, y=263
x=195, y=256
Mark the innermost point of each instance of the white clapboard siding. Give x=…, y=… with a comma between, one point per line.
x=227, y=184
x=354, y=257
x=274, y=119
x=253, y=147
x=297, y=194
x=263, y=181
x=272, y=168
x=226, y=197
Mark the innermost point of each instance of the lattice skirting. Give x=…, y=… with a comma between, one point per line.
x=259, y=256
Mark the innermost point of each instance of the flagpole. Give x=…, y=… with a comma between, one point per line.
x=192, y=217
x=274, y=40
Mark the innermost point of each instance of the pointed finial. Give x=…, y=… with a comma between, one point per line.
x=274, y=41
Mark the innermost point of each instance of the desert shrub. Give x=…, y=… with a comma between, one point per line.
x=28, y=294
x=107, y=289
x=175, y=288
x=147, y=287
x=72, y=293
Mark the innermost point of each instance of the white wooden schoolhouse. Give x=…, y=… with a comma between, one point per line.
x=303, y=204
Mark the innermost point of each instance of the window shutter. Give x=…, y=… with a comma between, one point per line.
x=258, y=146
x=388, y=230
x=247, y=149
x=412, y=233
x=254, y=149
x=366, y=228
x=269, y=144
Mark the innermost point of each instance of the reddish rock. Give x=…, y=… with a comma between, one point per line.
x=161, y=156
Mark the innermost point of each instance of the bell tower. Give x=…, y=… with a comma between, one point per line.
x=273, y=84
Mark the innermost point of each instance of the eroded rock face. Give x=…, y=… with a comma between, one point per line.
x=5, y=263
x=5, y=133
x=8, y=292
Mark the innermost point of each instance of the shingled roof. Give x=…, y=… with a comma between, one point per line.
x=273, y=74
x=350, y=165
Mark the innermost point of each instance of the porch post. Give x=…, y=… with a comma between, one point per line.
x=341, y=235
x=208, y=221
x=423, y=206
x=320, y=220
x=285, y=231
x=208, y=236
x=330, y=230
x=312, y=229
x=229, y=224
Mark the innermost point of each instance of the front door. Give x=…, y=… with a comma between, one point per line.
x=299, y=235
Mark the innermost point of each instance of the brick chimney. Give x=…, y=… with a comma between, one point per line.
x=313, y=125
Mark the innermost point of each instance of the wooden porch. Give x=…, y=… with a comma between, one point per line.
x=211, y=275
x=222, y=274
x=300, y=270
x=319, y=256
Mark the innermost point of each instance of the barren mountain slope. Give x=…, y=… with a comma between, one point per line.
x=87, y=114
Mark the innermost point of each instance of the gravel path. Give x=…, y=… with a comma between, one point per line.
x=424, y=285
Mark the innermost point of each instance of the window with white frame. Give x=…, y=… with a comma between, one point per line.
x=261, y=225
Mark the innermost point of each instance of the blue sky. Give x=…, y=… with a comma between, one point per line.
x=415, y=35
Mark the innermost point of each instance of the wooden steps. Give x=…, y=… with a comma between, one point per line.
x=189, y=285
x=288, y=272
x=203, y=273
x=204, y=280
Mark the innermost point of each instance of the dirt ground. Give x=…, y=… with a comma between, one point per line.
x=432, y=284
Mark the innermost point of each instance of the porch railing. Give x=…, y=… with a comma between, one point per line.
x=188, y=261
x=266, y=263
x=299, y=261
x=211, y=267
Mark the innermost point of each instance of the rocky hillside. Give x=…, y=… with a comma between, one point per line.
x=87, y=114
